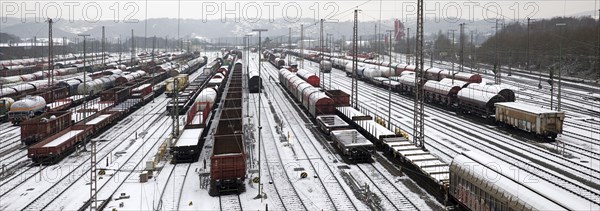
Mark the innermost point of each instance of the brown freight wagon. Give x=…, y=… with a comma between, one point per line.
x=117, y=94
x=54, y=148
x=227, y=165
x=40, y=127
x=99, y=121
x=53, y=94
x=340, y=98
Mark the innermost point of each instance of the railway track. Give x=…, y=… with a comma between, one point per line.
x=230, y=202
x=286, y=192
x=79, y=164
x=339, y=201
x=60, y=196
x=491, y=140
x=393, y=195
x=443, y=114
x=395, y=198
x=178, y=169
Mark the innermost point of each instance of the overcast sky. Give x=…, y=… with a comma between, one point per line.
x=265, y=10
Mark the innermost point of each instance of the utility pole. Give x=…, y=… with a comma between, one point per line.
x=321, y=74
x=528, y=44
x=509, y=62
x=175, y=111
x=103, y=40
x=497, y=68
x=598, y=48
x=562, y=34
x=153, y=46
x=289, y=44
x=301, y=46
x=132, y=47
x=389, y=120
x=408, y=46
x=419, y=120
x=462, y=46
x=50, y=54
x=355, y=61
x=259, y=109
x=453, y=54
x=179, y=23
x=373, y=46
x=93, y=191
x=331, y=53
x=471, y=52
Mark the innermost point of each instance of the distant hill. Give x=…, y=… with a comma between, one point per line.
x=215, y=29
x=577, y=42
x=4, y=38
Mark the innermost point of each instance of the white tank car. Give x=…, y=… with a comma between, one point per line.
x=26, y=108
x=5, y=103
x=11, y=79
x=206, y=98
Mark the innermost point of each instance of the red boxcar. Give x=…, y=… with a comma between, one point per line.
x=227, y=164
x=117, y=94
x=40, y=127
x=142, y=91
x=309, y=77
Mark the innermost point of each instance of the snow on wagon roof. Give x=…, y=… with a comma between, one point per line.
x=527, y=107
x=63, y=138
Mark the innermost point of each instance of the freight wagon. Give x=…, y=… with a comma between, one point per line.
x=40, y=127
x=56, y=147
x=26, y=108
x=228, y=158
x=539, y=121
x=353, y=145
x=479, y=182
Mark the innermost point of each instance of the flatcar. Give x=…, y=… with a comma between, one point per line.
x=329, y=123
x=353, y=145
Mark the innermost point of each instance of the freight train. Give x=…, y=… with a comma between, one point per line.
x=196, y=105
x=53, y=145
x=321, y=106
x=455, y=184
x=465, y=93
x=228, y=156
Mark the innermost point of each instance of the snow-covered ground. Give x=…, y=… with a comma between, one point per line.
x=448, y=134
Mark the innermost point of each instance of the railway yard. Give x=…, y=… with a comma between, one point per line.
x=235, y=129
